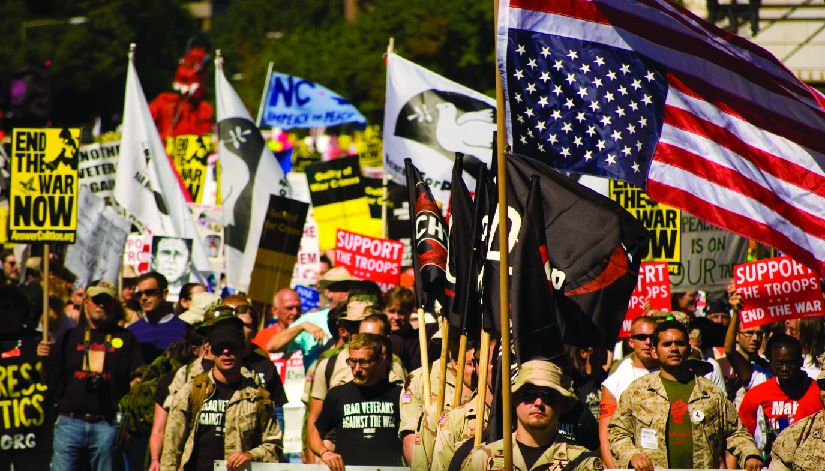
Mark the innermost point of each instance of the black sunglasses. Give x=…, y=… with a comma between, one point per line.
x=549, y=398
x=102, y=299
x=642, y=337
x=148, y=292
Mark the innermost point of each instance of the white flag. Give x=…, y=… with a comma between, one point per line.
x=249, y=174
x=145, y=183
x=429, y=118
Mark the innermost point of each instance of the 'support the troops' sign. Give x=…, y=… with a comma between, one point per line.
x=370, y=258
x=43, y=193
x=777, y=289
x=653, y=285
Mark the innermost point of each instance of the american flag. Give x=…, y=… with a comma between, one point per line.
x=646, y=92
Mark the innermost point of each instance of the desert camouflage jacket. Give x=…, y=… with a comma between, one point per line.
x=800, y=447
x=412, y=397
x=187, y=372
x=491, y=457
x=715, y=425
x=457, y=428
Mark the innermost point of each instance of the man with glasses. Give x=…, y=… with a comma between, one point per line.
x=676, y=419
x=10, y=268
x=541, y=393
x=640, y=363
x=158, y=327
x=364, y=413
x=91, y=366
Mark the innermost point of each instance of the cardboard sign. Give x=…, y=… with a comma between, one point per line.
x=663, y=221
x=190, y=154
x=370, y=258
x=101, y=240
x=777, y=289
x=278, y=248
x=43, y=193
x=654, y=285
x=138, y=253
x=338, y=198
x=97, y=167
x=708, y=257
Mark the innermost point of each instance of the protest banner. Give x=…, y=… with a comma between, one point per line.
x=777, y=289
x=138, y=253
x=654, y=285
x=278, y=248
x=310, y=298
x=43, y=191
x=171, y=257
x=190, y=154
x=292, y=102
x=96, y=168
x=338, y=199
x=308, y=261
x=708, y=257
x=101, y=240
x=369, y=258
x=374, y=189
x=663, y=221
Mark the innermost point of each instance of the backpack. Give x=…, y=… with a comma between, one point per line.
x=203, y=387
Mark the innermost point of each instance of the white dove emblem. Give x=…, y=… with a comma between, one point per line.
x=237, y=136
x=470, y=134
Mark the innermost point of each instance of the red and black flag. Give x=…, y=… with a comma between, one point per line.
x=592, y=247
x=429, y=242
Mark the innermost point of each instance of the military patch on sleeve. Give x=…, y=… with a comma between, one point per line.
x=310, y=376
x=442, y=420
x=406, y=398
x=417, y=438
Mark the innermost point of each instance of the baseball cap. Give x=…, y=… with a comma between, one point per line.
x=200, y=303
x=226, y=333
x=100, y=287
x=220, y=314
x=548, y=374
x=336, y=279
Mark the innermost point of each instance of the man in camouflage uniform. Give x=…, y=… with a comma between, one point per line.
x=541, y=393
x=801, y=446
x=653, y=405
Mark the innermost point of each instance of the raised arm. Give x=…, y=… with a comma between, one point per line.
x=280, y=341
x=740, y=365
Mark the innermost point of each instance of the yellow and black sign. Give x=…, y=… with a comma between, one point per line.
x=43, y=188
x=278, y=248
x=663, y=221
x=339, y=200
x=190, y=153
x=367, y=143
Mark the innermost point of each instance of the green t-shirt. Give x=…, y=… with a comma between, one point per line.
x=679, y=426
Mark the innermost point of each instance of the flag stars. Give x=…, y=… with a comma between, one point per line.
x=520, y=49
x=637, y=84
x=519, y=74
x=643, y=122
x=622, y=90
x=639, y=145
x=605, y=120
x=542, y=101
x=558, y=66
x=530, y=133
x=600, y=145
x=631, y=129
x=591, y=130
x=634, y=105
x=594, y=106
x=646, y=99
x=580, y=117
x=584, y=68
x=541, y=148
x=649, y=76
x=566, y=128
x=617, y=136
x=588, y=155
x=635, y=167
x=551, y=138
x=523, y=140
x=545, y=51
x=518, y=97
x=569, y=103
x=573, y=55
x=599, y=61
x=532, y=63
x=611, y=75
x=545, y=76
x=565, y=151
x=597, y=82
x=540, y=126
x=557, y=90
x=625, y=69
x=582, y=92
x=520, y=119
x=620, y=111
x=570, y=79
x=531, y=87
x=608, y=96
x=577, y=141
x=611, y=159
x=529, y=112
x=626, y=151
x=556, y=115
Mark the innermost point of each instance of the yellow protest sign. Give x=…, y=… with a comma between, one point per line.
x=661, y=220
x=190, y=153
x=43, y=189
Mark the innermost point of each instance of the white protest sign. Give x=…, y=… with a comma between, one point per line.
x=138, y=254
x=308, y=262
x=100, y=241
x=97, y=164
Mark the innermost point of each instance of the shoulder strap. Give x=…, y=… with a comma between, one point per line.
x=576, y=461
x=330, y=368
x=202, y=387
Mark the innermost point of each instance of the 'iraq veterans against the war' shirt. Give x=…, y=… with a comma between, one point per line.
x=208, y=445
x=365, y=419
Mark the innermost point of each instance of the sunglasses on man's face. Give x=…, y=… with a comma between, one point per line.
x=102, y=299
x=642, y=337
x=547, y=397
x=148, y=292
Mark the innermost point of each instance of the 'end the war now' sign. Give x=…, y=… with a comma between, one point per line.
x=654, y=284
x=777, y=289
x=370, y=258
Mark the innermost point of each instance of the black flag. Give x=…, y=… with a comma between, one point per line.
x=592, y=247
x=429, y=242
x=461, y=245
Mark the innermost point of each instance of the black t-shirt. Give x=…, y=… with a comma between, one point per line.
x=589, y=388
x=579, y=425
x=406, y=345
x=162, y=391
x=267, y=372
x=77, y=392
x=208, y=445
x=530, y=454
x=366, y=422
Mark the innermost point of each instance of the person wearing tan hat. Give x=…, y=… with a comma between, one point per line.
x=674, y=418
x=198, y=306
x=334, y=286
x=541, y=393
x=801, y=446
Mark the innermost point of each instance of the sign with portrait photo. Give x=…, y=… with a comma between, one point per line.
x=171, y=257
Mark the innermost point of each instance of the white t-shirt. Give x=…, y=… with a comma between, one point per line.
x=809, y=367
x=625, y=374
x=716, y=375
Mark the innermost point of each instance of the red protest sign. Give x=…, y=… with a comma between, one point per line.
x=777, y=289
x=654, y=283
x=370, y=258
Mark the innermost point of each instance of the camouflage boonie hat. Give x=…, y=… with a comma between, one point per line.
x=197, y=309
x=359, y=308
x=548, y=374
x=219, y=313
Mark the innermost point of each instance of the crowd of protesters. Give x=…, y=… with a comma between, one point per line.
x=132, y=381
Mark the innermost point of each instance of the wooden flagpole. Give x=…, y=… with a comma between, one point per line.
x=263, y=97
x=425, y=363
x=46, y=292
x=384, y=190
x=504, y=264
x=462, y=363
x=481, y=404
x=445, y=353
